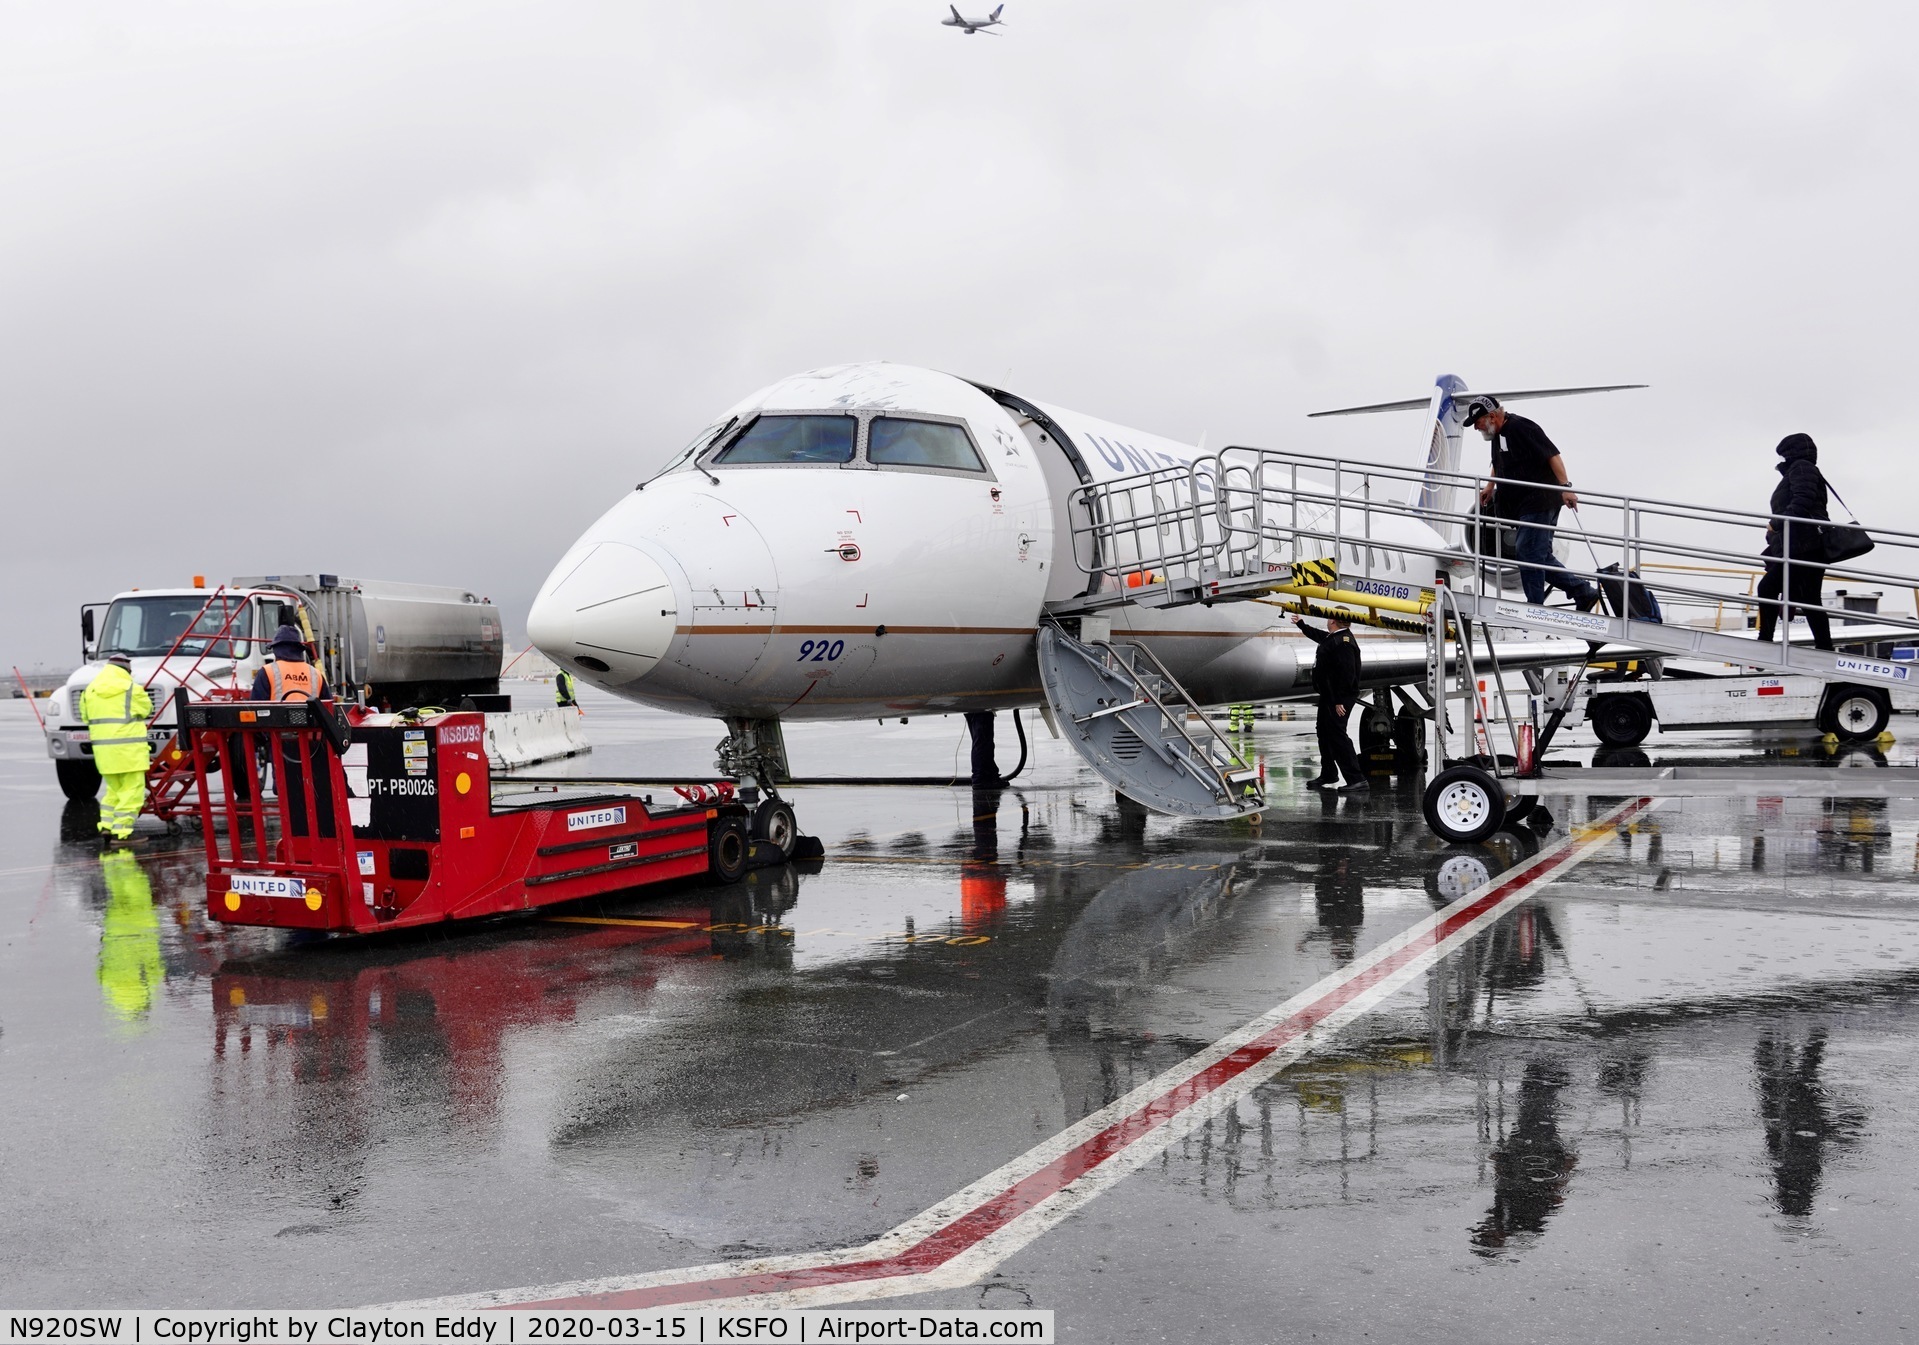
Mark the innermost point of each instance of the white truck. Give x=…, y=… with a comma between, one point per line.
x=396, y=645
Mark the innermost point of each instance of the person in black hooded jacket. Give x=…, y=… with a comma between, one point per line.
x=1800, y=494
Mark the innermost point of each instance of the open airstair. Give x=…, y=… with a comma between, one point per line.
x=1412, y=549
x=1135, y=725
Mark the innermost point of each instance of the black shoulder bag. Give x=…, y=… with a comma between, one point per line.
x=1843, y=541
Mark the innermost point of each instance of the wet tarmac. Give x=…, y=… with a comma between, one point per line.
x=1675, y=1096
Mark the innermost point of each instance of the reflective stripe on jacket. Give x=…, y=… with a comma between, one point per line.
x=116, y=709
x=292, y=681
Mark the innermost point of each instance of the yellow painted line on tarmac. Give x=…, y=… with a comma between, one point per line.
x=613, y=920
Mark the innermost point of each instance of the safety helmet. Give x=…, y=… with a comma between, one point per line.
x=288, y=637
x=1482, y=403
x=124, y=660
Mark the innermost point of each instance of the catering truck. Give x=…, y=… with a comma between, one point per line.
x=389, y=645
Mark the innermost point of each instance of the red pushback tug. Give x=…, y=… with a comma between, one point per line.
x=379, y=822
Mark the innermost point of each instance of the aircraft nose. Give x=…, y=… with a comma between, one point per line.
x=610, y=611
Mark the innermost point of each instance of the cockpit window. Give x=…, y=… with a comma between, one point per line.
x=793, y=439
x=892, y=442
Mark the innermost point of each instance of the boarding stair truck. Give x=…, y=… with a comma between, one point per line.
x=1389, y=546
x=396, y=645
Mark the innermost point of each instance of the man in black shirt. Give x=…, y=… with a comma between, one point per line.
x=1523, y=455
x=1336, y=679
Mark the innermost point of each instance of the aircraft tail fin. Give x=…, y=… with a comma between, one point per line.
x=994, y=16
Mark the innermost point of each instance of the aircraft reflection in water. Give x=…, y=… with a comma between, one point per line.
x=1070, y=998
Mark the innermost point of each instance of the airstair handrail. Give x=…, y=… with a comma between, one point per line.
x=1347, y=467
x=1214, y=527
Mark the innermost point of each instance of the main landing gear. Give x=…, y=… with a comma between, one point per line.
x=754, y=753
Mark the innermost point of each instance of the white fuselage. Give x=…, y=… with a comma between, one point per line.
x=844, y=590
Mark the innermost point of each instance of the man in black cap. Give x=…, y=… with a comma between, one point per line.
x=1530, y=497
x=1336, y=679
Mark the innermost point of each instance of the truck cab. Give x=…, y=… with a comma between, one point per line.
x=212, y=641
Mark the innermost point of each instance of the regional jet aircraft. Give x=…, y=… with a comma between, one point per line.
x=971, y=26
x=873, y=540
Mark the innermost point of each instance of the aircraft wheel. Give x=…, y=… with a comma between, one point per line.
x=726, y=848
x=773, y=822
x=1621, y=720
x=1464, y=804
x=1858, y=714
x=1375, y=732
x=78, y=779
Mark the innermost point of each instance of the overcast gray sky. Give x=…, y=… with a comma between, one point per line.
x=414, y=291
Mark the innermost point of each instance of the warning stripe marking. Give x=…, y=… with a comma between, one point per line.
x=966, y=1235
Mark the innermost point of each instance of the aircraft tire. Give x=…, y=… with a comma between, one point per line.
x=773, y=822
x=1621, y=719
x=1464, y=805
x=78, y=779
x=1375, y=732
x=727, y=848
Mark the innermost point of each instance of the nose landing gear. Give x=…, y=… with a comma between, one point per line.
x=754, y=753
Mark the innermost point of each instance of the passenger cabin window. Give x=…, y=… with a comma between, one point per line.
x=793, y=439
x=892, y=442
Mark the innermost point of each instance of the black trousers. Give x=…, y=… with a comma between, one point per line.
x=979, y=723
x=1807, y=579
x=1336, y=754
x=294, y=773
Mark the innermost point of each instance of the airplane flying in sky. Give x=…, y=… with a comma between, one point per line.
x=971, y=26
x=873, y=540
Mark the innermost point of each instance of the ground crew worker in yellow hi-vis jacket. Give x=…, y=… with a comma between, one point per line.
x=116, y=710
x=563, y=692
x=131, y=966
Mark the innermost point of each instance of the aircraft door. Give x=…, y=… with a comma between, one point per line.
x=1064, y=578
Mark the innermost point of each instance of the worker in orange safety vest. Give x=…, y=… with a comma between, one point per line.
x=291, y=678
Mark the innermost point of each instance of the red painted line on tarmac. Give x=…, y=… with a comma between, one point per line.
x=973, y=1227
